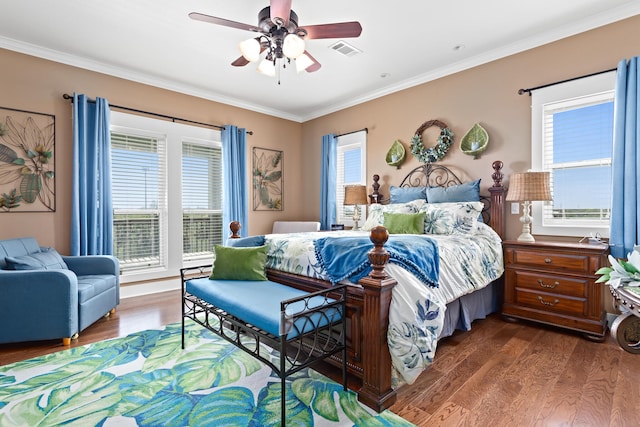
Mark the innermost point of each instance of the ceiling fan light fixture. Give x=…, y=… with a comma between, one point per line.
x=293, y=46
x=250, y=49
x=303, y=62
x=267, y=68
x=282, y=39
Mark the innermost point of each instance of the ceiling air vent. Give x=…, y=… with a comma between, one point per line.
x=345, y=48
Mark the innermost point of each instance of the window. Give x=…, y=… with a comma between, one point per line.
x=138, y=179
x=201, y=199
x=351, y=169
x=572, y=137
x=167, y=194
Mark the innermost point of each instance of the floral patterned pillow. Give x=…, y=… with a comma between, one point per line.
x=376, y=211
x=451, y=218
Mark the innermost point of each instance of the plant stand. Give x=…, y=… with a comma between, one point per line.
x=626, y=328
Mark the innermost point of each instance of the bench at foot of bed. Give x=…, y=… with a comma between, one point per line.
x=303, y=327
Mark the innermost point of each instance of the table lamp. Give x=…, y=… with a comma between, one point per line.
x=527, y=187
x=355, y=195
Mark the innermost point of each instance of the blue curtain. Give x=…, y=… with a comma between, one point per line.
x=625, y=221
x=91, y=204
x=328, y=173
x=234, y=160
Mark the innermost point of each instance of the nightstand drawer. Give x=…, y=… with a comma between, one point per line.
x=563, y=285
x=553, y=303
x=558, y=261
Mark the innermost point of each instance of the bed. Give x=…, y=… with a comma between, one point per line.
x=377, y=299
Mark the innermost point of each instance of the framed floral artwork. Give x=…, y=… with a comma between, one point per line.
x=267, y=174
x=27, y=161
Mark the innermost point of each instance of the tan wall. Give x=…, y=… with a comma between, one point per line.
x=485, y=94
x=33, y=84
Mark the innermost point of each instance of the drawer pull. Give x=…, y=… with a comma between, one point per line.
x=543, y=302
x=547, y=260
x=544, y=285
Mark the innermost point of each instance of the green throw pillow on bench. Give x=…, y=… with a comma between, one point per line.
x=246, y=263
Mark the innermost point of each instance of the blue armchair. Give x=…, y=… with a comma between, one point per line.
x=46, y=296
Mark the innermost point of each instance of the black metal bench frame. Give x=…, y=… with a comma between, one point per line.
x=295, y=354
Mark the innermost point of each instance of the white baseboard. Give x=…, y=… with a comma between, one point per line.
x=146, y=288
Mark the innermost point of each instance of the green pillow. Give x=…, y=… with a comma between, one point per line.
x=404, y=223
x=232, y=263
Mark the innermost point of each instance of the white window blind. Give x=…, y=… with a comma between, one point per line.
x=573, y=140
x=351, y=169
x=201, y=199
x=138, y=191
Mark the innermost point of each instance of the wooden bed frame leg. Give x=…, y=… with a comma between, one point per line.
x=376, y=391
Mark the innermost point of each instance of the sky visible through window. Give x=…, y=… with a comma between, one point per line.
x=352, y=166
x=583, y=134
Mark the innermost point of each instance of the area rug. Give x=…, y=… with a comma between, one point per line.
x=146, y=379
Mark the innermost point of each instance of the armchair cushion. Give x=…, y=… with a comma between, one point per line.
x=90, y=286
x=47, y=259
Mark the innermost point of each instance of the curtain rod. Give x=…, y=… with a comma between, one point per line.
x=354, y=131
x=172, y=118
x=523, y=91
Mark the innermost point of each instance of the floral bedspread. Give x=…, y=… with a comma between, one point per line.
x=467, y=262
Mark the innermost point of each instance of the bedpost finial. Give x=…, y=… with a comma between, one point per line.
x=235, y=229
x=497, y=175
x=375, y=196
x=378, y=256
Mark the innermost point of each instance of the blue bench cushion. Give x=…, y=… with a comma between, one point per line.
x=258, y=302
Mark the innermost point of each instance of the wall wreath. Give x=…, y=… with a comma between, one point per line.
x=432, y=154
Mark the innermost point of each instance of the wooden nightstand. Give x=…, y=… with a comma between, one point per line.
x=554, y=283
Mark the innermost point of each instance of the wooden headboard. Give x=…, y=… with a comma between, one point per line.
x=432, y=175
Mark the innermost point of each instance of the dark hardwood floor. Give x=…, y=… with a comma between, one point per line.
x=497, y=374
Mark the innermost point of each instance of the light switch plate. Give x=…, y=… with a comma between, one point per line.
x=515, y=208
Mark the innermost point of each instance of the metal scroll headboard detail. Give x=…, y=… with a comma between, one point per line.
x=429, y=175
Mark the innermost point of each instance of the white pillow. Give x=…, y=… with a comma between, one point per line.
x=376, y=211
x=451, y=218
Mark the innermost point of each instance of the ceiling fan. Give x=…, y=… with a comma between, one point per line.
x=281, y=37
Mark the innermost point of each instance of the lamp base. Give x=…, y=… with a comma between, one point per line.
x=526, y=237
x=526, y=219
x=356, y=218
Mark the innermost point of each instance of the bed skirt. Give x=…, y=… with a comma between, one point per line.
x=477, y=305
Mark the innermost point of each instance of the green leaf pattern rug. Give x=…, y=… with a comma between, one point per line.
x=146, y=379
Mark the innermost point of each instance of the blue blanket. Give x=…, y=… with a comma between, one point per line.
x=346, y=257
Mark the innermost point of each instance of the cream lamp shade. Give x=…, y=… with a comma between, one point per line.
x=250, y=49
x=355, y=195
x=293, y=46
x=303, y=62
x=527, y=187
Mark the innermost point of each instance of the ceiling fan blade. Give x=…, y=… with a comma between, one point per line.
x=280, y=9
x=240, y=62
x=224, y=22
x=333, y=31
x=313, y=67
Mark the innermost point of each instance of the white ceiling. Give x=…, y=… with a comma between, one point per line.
x=409, y=41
